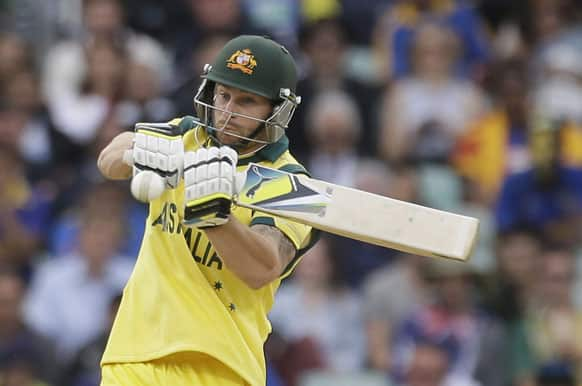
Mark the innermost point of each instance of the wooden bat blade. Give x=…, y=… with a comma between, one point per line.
x=359, y=215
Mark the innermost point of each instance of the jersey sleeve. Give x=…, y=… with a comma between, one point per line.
x=295, y=232
x=303, y=237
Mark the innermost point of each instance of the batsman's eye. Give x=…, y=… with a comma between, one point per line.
x=247, y=101
x=221, y=97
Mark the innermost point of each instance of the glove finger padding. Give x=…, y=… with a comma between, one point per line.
x=209, y=185
x=159, y=147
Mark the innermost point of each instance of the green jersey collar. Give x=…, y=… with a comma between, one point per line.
x=270, y=152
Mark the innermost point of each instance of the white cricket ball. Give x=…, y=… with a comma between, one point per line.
x=147, y=186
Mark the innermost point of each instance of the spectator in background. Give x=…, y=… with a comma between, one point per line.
x=24, y=355
x=142, y=99
x=25, y=211
x=543, y=22
x=425, y=112
x=15, y=56
x=204, y=52
x=549, y=29
x=203, y=18
x=555, y=150
x=360, y=17
x=548, y=339
x=281, y=19
x=67, y=66
x=475, y=340
x=497, y=143
x=80, y=114
x=510, y=287
x=558, y=89
x=39, y=23
x=548, y=18
x=159, y=19
x=429, y=366
x=325, y=45
x=334, y=127
x=548, y=195
x=396, y=32
x=38, y=141
x=85, y=119
x=61, y=289
x=316, y=306
x=108, y=197
x=391, y=295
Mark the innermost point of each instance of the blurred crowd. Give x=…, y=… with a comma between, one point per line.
x=468, y=106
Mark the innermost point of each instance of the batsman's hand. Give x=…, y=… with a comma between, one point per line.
x=158, y=147
x=210, y=182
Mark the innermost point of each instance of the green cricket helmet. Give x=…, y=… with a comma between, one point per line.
x=257, y=65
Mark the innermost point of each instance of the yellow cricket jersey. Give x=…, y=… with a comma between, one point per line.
x=181, y=296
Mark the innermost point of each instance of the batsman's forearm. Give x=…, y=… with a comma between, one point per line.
x=110, y=161
x=253, y=257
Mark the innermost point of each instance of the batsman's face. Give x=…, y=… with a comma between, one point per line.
x=232, y=100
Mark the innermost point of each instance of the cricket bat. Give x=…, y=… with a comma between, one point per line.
x=358, y=215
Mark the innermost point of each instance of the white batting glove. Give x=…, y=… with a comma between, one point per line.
x=158, y=147
x=210, y=182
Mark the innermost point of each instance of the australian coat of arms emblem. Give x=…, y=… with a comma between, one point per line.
x=242, y=60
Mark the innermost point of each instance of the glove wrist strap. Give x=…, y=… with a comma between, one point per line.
x=219, y=207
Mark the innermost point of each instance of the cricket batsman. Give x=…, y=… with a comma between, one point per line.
x=194, y=311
